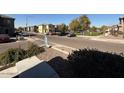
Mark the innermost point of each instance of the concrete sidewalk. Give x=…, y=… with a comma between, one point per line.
x=109, y=40
x=103, y=39
x=62, y=48
x=30, y=68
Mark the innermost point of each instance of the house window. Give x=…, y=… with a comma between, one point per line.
x=6, y=31
x=8, y=22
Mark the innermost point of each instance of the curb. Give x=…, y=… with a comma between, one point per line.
x=65, y=52
x=63, y=46
x=60, y=50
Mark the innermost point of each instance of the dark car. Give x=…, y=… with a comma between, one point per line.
x=62, y=34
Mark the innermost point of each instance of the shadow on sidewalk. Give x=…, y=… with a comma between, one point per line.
x=61, y=66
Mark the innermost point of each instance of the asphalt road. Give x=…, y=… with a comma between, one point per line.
x=81, y=43
x=22, y=44
x=74, y=42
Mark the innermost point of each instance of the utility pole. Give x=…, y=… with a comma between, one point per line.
x=26, y=22
x=27, y=29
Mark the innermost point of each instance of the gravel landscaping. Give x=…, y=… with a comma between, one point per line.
x=50, y=53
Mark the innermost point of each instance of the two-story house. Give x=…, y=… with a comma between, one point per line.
x=6, y=25
x=45, y=28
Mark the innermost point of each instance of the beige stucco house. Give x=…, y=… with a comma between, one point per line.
x=45, y=28
x=121, y=24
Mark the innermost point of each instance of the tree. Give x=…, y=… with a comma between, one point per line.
x=74, y=25
x=93, y=28
x=62, y=27
x=80, y=24
x=84, y=22
x=103, y=28
x=36, y=29
x=20, y=29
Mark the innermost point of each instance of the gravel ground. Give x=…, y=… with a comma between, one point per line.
x=50, y=54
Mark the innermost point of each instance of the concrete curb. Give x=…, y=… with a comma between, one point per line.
x=63, y=46
x=60, y=50
x=65, y=52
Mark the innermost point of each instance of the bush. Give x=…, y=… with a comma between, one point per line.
x=61, y=66
x=93, y=63
x=78, y=33
x=20, y=54
x=34, y=50
x=17, y=54
x=11, y=55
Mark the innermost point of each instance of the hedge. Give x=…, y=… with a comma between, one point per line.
x=91, y=63
x=91, y=33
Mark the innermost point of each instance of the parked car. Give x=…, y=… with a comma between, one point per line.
x=4, y=38
x=24, y=34
x=19, y=36
x=51, y=33
x=62, y=34
x=71, y=35
x=57, y=33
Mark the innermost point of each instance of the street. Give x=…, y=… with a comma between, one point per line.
x=81, y=43
x=21, y=44
x=74, y=42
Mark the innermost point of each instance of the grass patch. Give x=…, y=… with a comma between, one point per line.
x=92, y=33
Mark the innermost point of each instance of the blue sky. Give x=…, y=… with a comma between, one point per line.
x=36, y=19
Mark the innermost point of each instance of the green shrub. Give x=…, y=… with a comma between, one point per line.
x=17, y=54
x=34, y=50
x=11, y=55
x=93, y=63
x=61, y=66
x=78, y=33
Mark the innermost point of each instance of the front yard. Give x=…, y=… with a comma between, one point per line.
x=13, y=55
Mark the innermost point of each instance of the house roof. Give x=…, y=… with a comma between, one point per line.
x=5, y=16
x=45, y=24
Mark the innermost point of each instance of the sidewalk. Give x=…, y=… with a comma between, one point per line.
x=51, y=53
x=104, y=39
x=109, y=40
x=30, y=68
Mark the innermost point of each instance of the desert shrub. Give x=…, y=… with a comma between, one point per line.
x=11, y=55
x=94, y=63
x=17, y=54
x=34, y=50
